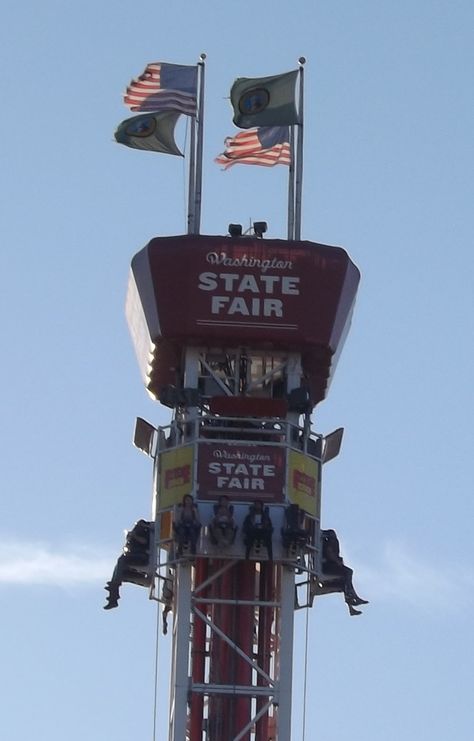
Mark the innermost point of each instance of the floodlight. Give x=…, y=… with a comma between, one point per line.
x=144, y=436
x=235, y=230
x=299, y=400
x=332, y=444
x=260, y=227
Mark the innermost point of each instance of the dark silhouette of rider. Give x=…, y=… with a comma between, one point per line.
x=333, y=565
x=293, y=531
x=132, y=564
x=187, y=525
x=222, y=528
x=258, y=529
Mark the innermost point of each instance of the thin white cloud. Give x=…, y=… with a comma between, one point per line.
x=402, y=575
x=26, y=563
x=396, y=574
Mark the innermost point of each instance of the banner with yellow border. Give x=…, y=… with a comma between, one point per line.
x=303, y=482
x=176, y=476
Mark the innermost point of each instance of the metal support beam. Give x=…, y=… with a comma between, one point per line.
x=287, y=592
x=181, y=636
x=242, y=654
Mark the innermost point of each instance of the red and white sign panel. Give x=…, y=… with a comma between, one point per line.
x=261, y=293
x=256, y=288
x=243, y=472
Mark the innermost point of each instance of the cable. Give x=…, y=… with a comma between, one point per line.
x=305, y=674
x=155, y=697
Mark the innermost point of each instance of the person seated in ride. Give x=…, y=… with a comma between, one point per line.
x=167, y=596
x=131, y=565
x=222, y=528
x=258, y=529
x=293, y=532
x=333, y=565
x=187, y=525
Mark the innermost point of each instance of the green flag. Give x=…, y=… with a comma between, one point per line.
x=265, y=101
x=152, y=131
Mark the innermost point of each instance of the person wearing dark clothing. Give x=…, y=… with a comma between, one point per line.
x=187, y=525
x=167, y=595
x=333, y=565
x=132, y=564
x=258, y=529
x=293, y=533
x=222, y=528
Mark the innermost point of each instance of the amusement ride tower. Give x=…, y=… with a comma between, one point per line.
x=239, y=337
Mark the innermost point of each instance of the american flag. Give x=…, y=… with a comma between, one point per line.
x=268, y=146
x=164, y=87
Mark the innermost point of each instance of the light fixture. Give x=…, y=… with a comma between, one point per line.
x=332, y=445
x=260, y=227
x=235, y=230
x=144, y=436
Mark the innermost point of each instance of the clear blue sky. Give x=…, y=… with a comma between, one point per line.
x=389, y=163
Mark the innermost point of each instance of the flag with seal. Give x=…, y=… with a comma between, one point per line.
x=265, y=101
x=151, y=131
x=267, y=146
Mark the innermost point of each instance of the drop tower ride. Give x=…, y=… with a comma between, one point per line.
x=239, y=336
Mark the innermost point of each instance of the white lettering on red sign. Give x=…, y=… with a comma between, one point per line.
x=242, y=476
x=248, y=261
x=262, y=285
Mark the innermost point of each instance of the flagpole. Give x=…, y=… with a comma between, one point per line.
x=291, y=187
x=199, y=147
x=192, y=177
x=299, y=155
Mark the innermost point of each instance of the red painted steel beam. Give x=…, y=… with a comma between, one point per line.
x=243, y=637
